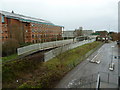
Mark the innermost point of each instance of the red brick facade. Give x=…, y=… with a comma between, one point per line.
x=44, y=33
x=4, y=30
x=25, y=32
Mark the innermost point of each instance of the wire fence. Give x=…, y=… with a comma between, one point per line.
x=107, y=80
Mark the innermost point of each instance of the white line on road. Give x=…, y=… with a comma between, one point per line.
x=96, y=56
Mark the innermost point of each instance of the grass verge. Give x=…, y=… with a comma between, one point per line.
x=9, y=57
x=31, y=73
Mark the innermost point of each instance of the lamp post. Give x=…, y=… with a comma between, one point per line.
x=63, y=33
x=112, y=54
x=111, y=65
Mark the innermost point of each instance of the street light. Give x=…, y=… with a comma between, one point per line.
x=111, y=66
x=112, y=53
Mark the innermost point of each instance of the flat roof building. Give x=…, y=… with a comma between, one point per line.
x=68, y=34
x=87, y=32
x=76, y=33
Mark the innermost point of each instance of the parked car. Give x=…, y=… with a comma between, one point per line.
x=95, y=61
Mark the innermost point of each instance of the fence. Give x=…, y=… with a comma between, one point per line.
x=41, y=46
x=109, y=78
x=51, y=54
x=84, y=82
x=97, y=80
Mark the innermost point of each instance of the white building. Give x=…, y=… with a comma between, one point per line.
x=68, y=34
x=87, y=32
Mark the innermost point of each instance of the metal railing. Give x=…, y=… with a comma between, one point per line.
x=42, y=46
x=95, y=81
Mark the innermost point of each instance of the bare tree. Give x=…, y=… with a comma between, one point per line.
x=114, y=36
x=119, y=36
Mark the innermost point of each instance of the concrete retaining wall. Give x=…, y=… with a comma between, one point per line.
x=51, y=54
x=41, y=46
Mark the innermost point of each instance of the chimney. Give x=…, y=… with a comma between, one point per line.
x=12, y=11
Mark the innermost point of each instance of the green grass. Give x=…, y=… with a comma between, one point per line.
x=34, y=74
x=9, y=57
x=71, y=56
x=25, y=44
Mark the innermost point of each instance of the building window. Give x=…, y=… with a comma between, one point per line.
x=36, y=36
x=32, y=25
x=5, y=25
x=35, y=30
x=32, y=36
x=39, y=36
x=1, y=31
x=26, y=24
x=26, y=36
x=3, y=20
x=33, y=41
x=32, y=30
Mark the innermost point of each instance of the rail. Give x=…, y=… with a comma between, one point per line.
x=42, y=46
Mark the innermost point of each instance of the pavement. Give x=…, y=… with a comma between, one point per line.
x=109, y=79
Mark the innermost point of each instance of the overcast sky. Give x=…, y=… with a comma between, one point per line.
x=72, y=14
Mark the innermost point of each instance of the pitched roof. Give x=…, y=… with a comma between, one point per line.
x=25, y=18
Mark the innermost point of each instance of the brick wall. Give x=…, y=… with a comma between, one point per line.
x=4, y=31
x=0, y=29
x=16, y=30
x=44, y=33
x=25, y=32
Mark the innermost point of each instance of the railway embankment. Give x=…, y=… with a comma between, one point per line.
x=32, y=73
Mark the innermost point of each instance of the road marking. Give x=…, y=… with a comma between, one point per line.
x=112, y=46
x=95, y=56
x=100, y=49
x=88, y=59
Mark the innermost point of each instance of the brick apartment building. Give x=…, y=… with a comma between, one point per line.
x=26, y=29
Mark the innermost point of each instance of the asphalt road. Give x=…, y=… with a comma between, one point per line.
x=86, y=69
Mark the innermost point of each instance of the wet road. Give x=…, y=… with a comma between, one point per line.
x=105, y=55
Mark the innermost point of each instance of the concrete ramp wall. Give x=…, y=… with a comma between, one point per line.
x=41, y=46
x=53, y=53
